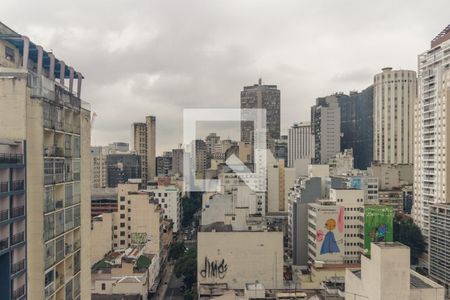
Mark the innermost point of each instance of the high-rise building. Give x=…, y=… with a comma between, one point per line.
x=122, y=167
x=164, y=164
x=357, y=126
x=439, y=236
x=13, y=200
x=265, y=97
x=177, y=161
x=394, y=94
x=98, y=168
x=326, y=127
x=211, y=140
x=300, y=143
x=144, y=141
x=431, y=130
x=281, y=149
x=41, y=110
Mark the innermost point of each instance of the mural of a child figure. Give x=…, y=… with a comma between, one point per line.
x=329, y=244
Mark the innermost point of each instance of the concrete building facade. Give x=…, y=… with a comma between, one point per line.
x=264, y=97
x=395, y=92
x=144, y=141
x=300, y=143
x=431, y=129
x=42, y=106
x=326, y=128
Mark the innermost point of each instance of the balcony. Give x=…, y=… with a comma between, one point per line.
x=18, y=266
x=53, y=151
x=18, y=238
x=17, y=185
x=8, y=158
x=4, y=244
x=19, y=292
x=4, y=187
x=18, y=211
x=76, y=245
x=3, y=215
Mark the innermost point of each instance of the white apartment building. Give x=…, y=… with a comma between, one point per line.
x=431, y=121
x=169, y=198
x=300, y=143
x=395, y=92
x=41, y=106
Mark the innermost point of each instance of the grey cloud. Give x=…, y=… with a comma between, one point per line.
x=158, y=57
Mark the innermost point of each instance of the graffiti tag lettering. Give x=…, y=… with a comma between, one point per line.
x=214, y=269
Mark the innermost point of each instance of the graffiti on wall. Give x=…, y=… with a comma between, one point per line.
x=214, y=269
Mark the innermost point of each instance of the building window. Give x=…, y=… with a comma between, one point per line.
x=122, y=216
x=9, y=53
x=122, y=233
x=122, y=224
x=122, y=242
x=103, y=286
x=122, y=198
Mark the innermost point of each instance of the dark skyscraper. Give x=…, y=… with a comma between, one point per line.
x=261, y=96
x=357, y=126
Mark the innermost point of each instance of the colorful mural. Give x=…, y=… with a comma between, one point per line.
x=378, y=225
x=329, y=234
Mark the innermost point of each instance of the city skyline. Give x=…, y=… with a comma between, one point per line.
x=141, y=68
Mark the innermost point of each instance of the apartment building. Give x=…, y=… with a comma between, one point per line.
x=431, y=129
x=144, y=141
x=13, y=239
x=177, y=161
x=139, y=217
x=41, y=107
x=169, y=198
x=439, y=268
x=300, y=143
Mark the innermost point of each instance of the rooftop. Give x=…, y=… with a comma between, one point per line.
x=443, y=36
x=17, y=40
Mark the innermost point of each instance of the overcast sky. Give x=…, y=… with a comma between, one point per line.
x=157, y=57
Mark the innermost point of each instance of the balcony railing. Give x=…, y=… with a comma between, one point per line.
x=4, y=244
x=18, y=211
x=18, y=238
x=19, y=292
x=3, y=215
x=49, y=289
x=8, y=158
x=69, y=249
x=18, y=266
x=59, y=255
x=54, y=151
x=4, y=187
x=17, y=185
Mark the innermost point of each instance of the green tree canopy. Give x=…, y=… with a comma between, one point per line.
x=186, y=267
x=409, y=234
